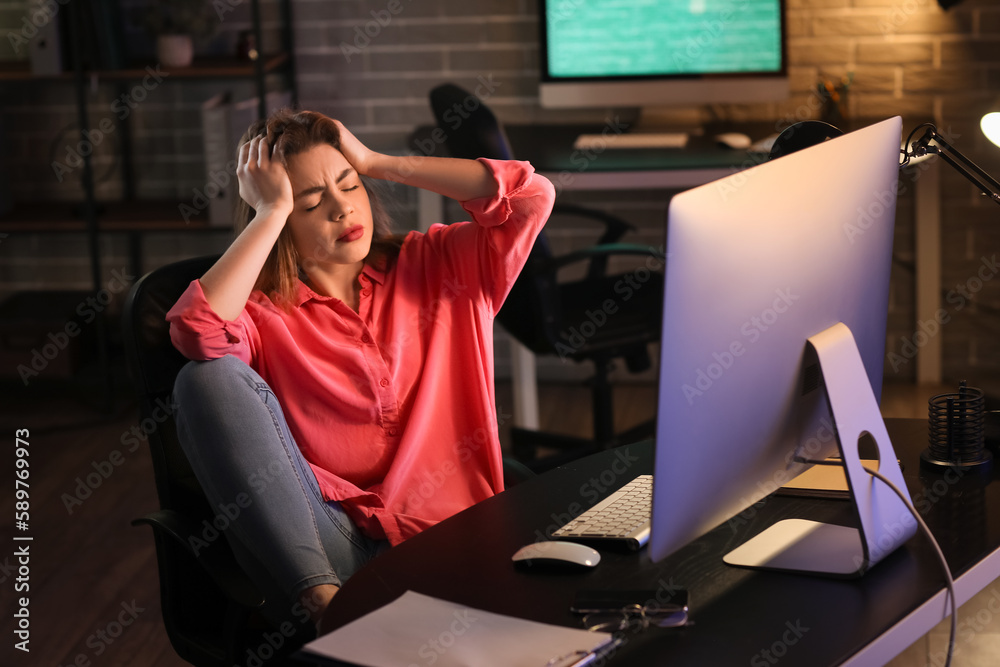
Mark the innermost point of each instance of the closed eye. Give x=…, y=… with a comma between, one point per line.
x=351, y=189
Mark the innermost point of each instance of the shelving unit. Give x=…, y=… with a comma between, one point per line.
x=131, y=215
x=201, y=68
x=138, y=214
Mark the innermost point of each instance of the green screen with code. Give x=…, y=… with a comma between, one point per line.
x=623, y=38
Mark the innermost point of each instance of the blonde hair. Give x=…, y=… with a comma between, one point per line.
x=290, y=133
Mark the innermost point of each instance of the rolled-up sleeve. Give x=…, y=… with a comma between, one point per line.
x=199, y=333
x=493, y=250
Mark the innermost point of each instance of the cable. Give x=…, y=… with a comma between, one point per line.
x=940, y=555
x=927, y=532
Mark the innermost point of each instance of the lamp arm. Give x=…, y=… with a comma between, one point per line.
x=963, y=165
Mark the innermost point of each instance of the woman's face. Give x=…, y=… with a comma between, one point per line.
x=331, y=222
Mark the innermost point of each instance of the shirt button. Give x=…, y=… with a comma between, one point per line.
x=384, y=382
x=365, y=338
x=366, y=292
x=391, y=431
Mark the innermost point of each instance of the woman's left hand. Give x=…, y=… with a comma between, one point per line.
x=360, y=156
x=460, y=180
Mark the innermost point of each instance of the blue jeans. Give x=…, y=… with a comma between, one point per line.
x=285, y=535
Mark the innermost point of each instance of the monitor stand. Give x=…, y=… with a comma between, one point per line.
x=798, y=545
x=668, y=119
x=680, y=123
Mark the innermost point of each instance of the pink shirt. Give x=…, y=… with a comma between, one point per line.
x=393, y=406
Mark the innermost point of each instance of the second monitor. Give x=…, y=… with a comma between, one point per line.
x=596, y=53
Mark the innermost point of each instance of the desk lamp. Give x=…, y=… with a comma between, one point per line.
x=990, y=125
x=810, y=132
x=924, y=146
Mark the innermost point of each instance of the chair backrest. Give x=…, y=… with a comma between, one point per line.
x=196, y=614
x=154, y=364
x=471, y=127
x=531, y=311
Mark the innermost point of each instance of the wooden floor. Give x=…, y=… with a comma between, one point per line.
x=94, y=594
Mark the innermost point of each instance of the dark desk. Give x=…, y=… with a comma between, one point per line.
x=737, y=613
x=550, y=150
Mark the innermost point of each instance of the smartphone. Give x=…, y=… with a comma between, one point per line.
x=593, y=601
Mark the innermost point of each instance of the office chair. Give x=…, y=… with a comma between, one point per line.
x=210, y=606
x=565, y=319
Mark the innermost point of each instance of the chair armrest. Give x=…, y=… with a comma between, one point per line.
x=615, y=228
x=515, y=472
x=221, y=566
x=605, y=251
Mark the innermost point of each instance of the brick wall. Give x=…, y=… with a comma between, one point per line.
x=913, y=59
x=373, y=71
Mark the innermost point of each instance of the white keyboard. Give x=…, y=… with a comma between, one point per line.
x=621, y=517
x=631, y=140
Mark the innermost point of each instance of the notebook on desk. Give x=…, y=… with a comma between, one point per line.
x=448, y=634
x=822, y=481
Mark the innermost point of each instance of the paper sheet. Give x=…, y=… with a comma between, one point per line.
x=417, y=630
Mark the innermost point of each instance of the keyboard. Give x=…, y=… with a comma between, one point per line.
x=631, y=140
x=622, y=517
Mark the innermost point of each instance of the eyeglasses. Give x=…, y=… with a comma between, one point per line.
x=635, y=618
x=630, y=619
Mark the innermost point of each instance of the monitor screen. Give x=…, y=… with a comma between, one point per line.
x=757, y=264
x=656, y=52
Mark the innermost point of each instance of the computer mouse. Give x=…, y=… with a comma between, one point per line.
x=557, y=554
x=735, y=140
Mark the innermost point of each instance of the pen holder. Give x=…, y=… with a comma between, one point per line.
x=955, y=431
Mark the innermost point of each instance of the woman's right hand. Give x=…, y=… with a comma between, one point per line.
x=265, y=186
x=264, y=183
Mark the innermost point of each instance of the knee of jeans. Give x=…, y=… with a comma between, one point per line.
x=200, y=380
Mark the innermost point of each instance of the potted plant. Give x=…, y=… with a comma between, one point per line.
x=176, y=24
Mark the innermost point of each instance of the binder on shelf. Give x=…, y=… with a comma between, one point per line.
x=45, y=47
x=223, y=122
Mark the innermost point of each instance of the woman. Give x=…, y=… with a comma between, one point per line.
x=350, y=392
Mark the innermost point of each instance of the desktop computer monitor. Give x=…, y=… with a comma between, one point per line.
x=628, y=53
x=793, y=250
